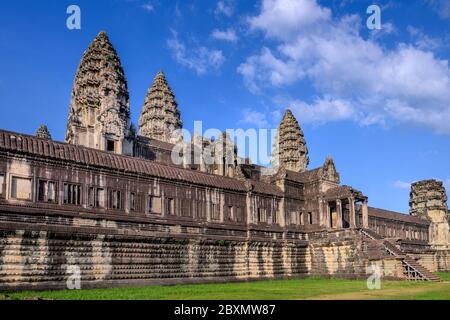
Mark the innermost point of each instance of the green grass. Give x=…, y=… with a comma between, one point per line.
x=309, y=288
x=445, y=276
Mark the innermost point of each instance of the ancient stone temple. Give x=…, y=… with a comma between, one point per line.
x=112, y=203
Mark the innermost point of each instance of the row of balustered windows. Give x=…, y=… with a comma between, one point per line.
x=407, y=232
x=298, y=218
x=265, y=216
x=50, y=191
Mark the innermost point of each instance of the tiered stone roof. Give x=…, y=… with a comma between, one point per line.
x=341, y=192
x=290, y=149
x=396, y=216
x=160, y=116
x=43, y=133
x=100, y=92
x=31, y=146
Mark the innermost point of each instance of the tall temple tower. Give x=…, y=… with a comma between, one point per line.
x=428, y=199
x=290, y=151
x=99, y=109
x=160, y=116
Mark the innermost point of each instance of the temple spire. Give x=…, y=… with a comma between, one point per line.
x=290, y=151
x=43, y=133
x=160, y=116
x=99, y=108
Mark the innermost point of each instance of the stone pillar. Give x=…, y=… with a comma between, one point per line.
x=365, y=214
x=328, y=215
x=352, y=212
x=339, y=213
x=281, y=213
x=322, y=221
x=208, y=205
x=222, y=207
x=249, y=205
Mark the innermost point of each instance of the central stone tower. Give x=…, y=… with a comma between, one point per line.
x=99, y=109
x=290, y=151
x=160, y=116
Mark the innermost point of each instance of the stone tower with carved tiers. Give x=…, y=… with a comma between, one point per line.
x=99, y=109
x=290, y=151
x=428, y=199
x=160, y=116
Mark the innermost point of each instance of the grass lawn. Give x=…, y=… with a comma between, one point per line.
x=445, y=276
x=309, y=288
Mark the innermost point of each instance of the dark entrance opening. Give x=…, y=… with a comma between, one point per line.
x=110, y=145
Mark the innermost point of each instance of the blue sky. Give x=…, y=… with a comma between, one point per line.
x=377, y=101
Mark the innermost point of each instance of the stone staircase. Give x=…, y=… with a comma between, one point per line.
x=411, y=268
x=415, y=271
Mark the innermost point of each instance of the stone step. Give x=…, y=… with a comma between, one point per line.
x=425, y=272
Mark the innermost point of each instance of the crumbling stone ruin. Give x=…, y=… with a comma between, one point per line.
x=428, y=200
x=111, y=203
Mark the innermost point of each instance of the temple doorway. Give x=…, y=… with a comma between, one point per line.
x=333, y=218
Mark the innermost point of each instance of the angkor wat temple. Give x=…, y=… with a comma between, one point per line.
x=111, y=202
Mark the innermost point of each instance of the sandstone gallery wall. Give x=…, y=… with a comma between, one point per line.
x=40, y=255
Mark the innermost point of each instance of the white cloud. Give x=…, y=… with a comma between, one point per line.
x=402, y=185
x=198, y=58
x=225, y=8
x=266, y=67
x=369, y=82
x=227, y=35
x=323, y=110
x=283, y=19
x=148, y=7
x=254, y=117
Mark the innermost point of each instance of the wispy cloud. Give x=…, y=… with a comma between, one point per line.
x=423, y=41
x=253, y=117
x=226, y=35
x=149, y=7
x=402, y=185
x=442, y=7
x=224, y=7
x=198, y=58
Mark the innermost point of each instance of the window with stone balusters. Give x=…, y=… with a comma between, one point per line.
x=46, y=191
x=72, y=194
